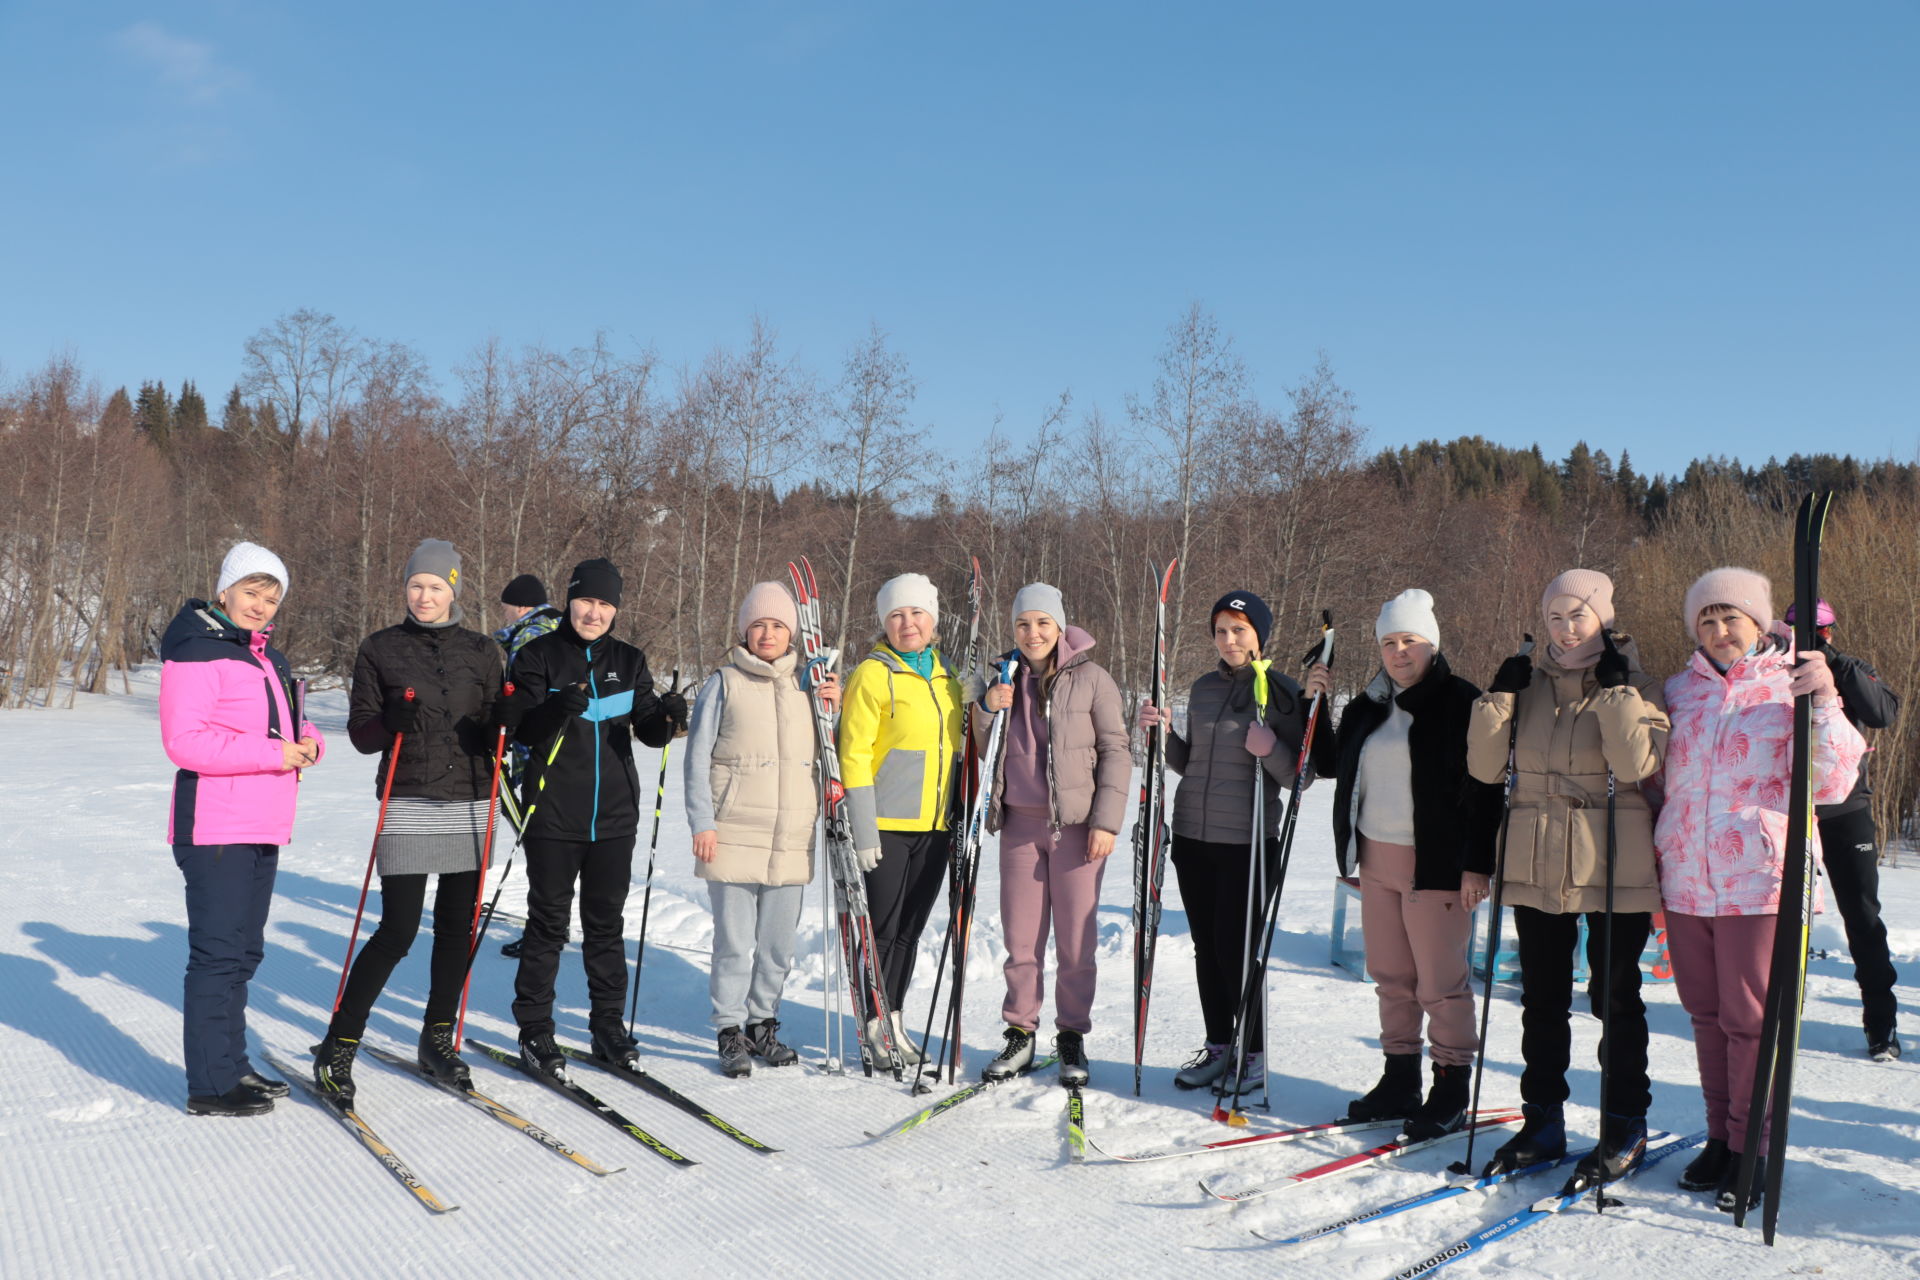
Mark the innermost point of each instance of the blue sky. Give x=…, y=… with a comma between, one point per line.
x=1678, y=228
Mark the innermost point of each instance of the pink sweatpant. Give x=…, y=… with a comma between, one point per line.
x=1046, y=878
x=1416, y=943
x=1720, y=964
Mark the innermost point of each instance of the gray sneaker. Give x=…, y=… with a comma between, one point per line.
x=1206, y=1066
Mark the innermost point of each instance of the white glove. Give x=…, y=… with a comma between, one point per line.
x=867, y=858
x=973, y=688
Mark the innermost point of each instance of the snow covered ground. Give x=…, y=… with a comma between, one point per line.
x=103, y=1174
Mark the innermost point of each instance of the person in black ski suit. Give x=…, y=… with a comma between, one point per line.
x=437, y=818
x=1850, y=846
x=580, y=698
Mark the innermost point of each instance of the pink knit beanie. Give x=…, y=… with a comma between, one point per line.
x=1745, y=590
x=768, y=600
x=1590, y=585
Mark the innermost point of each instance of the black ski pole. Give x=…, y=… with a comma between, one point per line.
x=1606, y=1014
x=1465, y=1164
x=653, y=846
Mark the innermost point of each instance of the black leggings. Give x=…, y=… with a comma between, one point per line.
x=401, y=900
x=901, y=892
x=1213, y=889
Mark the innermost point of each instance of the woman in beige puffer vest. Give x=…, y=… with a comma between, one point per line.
x=753, y=797
x=1582, y=709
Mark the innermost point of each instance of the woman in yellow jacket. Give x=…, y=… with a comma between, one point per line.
x=899, y=738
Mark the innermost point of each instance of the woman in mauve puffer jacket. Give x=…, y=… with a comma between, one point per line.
x=1058, y=800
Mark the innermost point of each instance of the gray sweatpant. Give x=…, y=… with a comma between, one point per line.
x=753, y=932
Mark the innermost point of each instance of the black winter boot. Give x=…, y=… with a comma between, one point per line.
x=265, y=1086
x=1396, y=1096
x=1446, y=1106
x=237, y=1101
x=333, y=1068
x=438, y=1056
x=1727, y=1195
x=736, y=1056
x=1542, y=1139
x=1703, y=1171
x=764, y=1043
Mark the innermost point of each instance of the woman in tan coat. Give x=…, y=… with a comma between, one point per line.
x=1585, y=708
x=752, y=800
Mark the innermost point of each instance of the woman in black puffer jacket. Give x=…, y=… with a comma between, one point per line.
x=436, y=821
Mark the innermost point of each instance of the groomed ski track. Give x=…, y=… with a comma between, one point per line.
x=105, y=1176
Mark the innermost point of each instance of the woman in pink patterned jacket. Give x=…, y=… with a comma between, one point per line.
x=1722, y=833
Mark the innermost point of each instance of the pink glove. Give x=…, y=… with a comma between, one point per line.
x=1261, y=740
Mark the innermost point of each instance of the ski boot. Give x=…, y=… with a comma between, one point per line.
x=1016, y=1057
x=1072, y=1048
x=910, y=1055
x=1446, y=1106
x=542, y=1056
x=764, y=1043
x=611, y=1043
x=1542, y=1140
x=1622, y=1146
x=333, y=1068
x=438, y=1056
x=1396, y=1096
x=736, y=1056
x=1884, y=1048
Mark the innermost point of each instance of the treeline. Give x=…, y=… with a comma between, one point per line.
x=341, y=451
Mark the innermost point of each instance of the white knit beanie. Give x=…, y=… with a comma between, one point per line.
x=1038, y=597
x=908, y=591
x=1410, y=611
x=248, y=558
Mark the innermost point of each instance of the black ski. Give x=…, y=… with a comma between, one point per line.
x=1787, y=976
x=353, y=1123
x=499, y=1111
x=1151, y=838
x=1076, y=1125
x=667, y=1093
x=568, y=1089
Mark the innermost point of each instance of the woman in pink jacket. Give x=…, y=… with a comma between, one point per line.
x=1721, y=837
x=226, y=720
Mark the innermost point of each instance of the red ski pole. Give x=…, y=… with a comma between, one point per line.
x=480, y=890
x=393, y=761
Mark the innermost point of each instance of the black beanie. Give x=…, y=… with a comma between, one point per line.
x=596, y=579
x=1258, y=615
x=525, y=591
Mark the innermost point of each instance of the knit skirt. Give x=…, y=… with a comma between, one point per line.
x=431, y=837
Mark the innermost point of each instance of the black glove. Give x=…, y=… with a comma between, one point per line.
x=572, y=700
x=1515, y=674
x=1611, y=670
x=674, y=708
x=400, y=715
x=506, y=715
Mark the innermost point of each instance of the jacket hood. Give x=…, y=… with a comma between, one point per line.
x=199, y=623
x=1074, y=646
x=781, y=666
